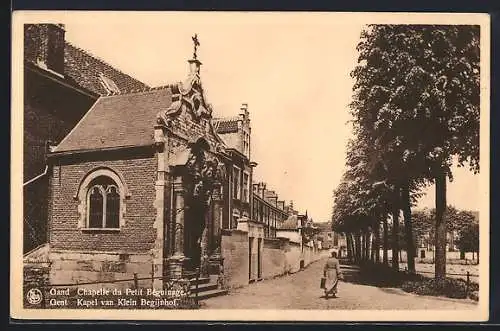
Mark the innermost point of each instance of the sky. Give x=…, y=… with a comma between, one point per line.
x=293, y=71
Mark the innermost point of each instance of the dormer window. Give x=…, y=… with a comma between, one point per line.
x=108, y=84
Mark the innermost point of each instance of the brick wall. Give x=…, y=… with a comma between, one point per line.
x=50, y=112
x=137, y=234
x=234, y=248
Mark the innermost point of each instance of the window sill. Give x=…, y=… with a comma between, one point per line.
x=100, y=230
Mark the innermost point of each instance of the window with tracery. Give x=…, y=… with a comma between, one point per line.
x=103, y=203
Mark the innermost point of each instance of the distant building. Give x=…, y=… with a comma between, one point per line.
x=268, y=209
x=235, y=132
x=332, y=240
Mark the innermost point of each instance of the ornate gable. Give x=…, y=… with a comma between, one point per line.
x=189, y=113
x=187, y=97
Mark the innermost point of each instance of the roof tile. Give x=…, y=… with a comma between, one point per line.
x=84, y=69
x=118, y=121
x=226, y=125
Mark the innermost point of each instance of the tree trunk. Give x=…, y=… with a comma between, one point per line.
x=362, y=242
x=386, y=241
x=372, y=248
x=367, y=246
x=353, y=247
x=376, y=246
x=361, y=247
x=440, y=239
x=350, y=254
x=357, y=244
x=410, y=245
x=395, y=239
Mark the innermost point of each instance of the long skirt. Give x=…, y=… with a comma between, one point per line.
x=331, y=282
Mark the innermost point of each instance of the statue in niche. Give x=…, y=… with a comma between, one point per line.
x=204, y=175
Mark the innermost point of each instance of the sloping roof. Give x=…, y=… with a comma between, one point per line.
x=291, y=223
x=77, y=66
x=118, y=121
x=226, y=125
x=323, y=226
x=84, y=69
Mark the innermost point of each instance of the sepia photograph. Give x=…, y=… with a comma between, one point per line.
x=250, y=166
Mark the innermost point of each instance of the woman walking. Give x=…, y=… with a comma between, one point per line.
x=332, y=274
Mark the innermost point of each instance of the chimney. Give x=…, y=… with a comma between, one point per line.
x=244, y=111
x=262, y=189
x=44, y=45
x=271, y=197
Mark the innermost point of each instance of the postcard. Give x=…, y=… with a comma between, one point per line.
x=250, y=166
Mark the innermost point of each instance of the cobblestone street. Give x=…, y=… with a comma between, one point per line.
x=301, y=291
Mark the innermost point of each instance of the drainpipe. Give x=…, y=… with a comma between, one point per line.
x=37, y=177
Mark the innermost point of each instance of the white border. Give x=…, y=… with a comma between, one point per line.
x=479, y=314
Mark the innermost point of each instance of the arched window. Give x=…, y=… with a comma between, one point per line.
x=102, y=197
x=103, y=204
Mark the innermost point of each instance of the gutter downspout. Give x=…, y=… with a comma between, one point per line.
x=37, y=177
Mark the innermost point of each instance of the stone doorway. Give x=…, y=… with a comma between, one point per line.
x=196, y=194
x=194, y=226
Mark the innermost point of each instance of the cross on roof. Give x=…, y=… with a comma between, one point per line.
x=196, y=44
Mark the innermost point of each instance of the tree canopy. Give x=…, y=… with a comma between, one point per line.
x=415, y=107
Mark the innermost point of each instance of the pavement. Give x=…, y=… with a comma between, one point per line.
x=301, y=291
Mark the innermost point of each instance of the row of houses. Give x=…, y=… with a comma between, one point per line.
x=124, y=179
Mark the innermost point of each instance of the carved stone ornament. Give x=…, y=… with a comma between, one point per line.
x=188, y=98
x=206, y=173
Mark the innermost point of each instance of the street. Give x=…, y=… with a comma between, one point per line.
x=301, y=291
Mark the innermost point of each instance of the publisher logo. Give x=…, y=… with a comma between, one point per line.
x=34, y=296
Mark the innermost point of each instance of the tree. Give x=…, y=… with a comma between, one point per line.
x=360, y=201
x=469, y=239
x=417, y=93
x=456, y=220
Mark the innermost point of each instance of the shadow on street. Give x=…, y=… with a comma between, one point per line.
x=376, y=275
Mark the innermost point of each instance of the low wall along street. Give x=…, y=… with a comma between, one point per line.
x=77, y=267
x=274, y=262
x=279, y=256
x=235, y=253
